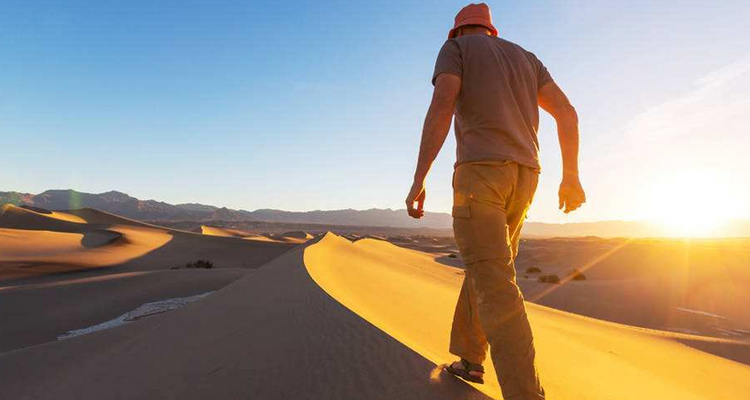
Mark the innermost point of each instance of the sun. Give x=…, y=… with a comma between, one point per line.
x=690, y=203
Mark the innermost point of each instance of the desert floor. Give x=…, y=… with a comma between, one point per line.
x=291, y=316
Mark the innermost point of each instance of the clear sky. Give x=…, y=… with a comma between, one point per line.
x=319, y=105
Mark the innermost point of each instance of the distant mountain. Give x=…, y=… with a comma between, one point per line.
x=197, y=207
x=113, y=201
x=152, y=210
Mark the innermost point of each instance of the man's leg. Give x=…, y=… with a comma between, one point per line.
x=504, y=321
x=514, y=362
x=467, y=338
x=487, y=235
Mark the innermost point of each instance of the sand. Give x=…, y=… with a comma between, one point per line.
x=287, y=237
x=39, y=244
x=63, y=271
x=410, y=297
x=33, y=243
x=273, y=334
x=33, y=314
x=326, y=319
x=640, y=282
x=224, y=232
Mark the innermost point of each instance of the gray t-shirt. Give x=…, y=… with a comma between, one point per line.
x=497, y=114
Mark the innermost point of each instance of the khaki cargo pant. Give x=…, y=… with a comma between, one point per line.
x=490, y=203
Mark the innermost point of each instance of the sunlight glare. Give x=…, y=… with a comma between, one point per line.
x=689, y=203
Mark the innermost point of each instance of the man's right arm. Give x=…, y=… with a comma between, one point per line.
x=553, y=100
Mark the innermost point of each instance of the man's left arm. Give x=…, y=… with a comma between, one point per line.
x=436, y=126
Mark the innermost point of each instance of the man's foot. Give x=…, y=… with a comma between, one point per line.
x=467, y=371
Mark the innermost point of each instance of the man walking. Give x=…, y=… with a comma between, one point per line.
x=494, y=88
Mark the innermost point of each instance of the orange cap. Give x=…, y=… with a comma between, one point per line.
x=473, y=14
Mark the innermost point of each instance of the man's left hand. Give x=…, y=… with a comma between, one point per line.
x=571, y=194
x=416, y=195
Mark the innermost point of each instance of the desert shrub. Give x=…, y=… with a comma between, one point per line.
x=200, y=264
x=549, y=279
x=533, y=270
x=578, y=275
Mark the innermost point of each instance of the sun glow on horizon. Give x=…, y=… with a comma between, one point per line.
x=690, y=203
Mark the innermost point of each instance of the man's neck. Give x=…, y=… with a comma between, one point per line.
x=474, y=31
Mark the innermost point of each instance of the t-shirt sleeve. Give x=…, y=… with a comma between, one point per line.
x=543, y=76
x=448, y=60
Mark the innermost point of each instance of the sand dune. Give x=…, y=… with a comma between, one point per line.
x=641, y=282
x=224, y=232
x=62, y=271
x=38, y=313
x=35, y=243
x=287, y=237
x=22, y=218
x=302, y=235
x=273, y=334
x=409, y=296
x=293, y=237
x=332, y=319
x=92, y=216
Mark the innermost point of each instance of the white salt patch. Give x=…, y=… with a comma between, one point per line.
x=145, y=310
x=708, y=314
x=729, y=332
x=683, y=330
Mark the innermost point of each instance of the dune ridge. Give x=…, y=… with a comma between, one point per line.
x=411, y=298
x=273, y=334
x=36, y=243
x=286, y=237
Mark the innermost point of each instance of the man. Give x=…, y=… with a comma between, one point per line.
x=495, y=88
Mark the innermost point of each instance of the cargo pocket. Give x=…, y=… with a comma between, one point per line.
x=481, y=232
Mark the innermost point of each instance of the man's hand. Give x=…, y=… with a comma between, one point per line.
x=416, y=195
x=571, y=194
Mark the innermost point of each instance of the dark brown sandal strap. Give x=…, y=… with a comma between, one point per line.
x=472, y=367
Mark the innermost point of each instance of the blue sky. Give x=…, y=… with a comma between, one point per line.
x=319, y=105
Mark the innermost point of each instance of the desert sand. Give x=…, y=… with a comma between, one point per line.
x=35, y=243
x=271, y=334
x=683, y=285
x=61, y=271
x=328, y=318
x=286, y=237
x=409, y=296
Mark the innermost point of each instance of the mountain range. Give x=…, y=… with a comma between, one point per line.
x=155, y=211
x=151, y=210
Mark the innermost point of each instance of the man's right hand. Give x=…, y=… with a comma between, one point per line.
x=571, y=194
x=416, y=195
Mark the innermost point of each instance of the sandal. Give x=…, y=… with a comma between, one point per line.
x=465, y=372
